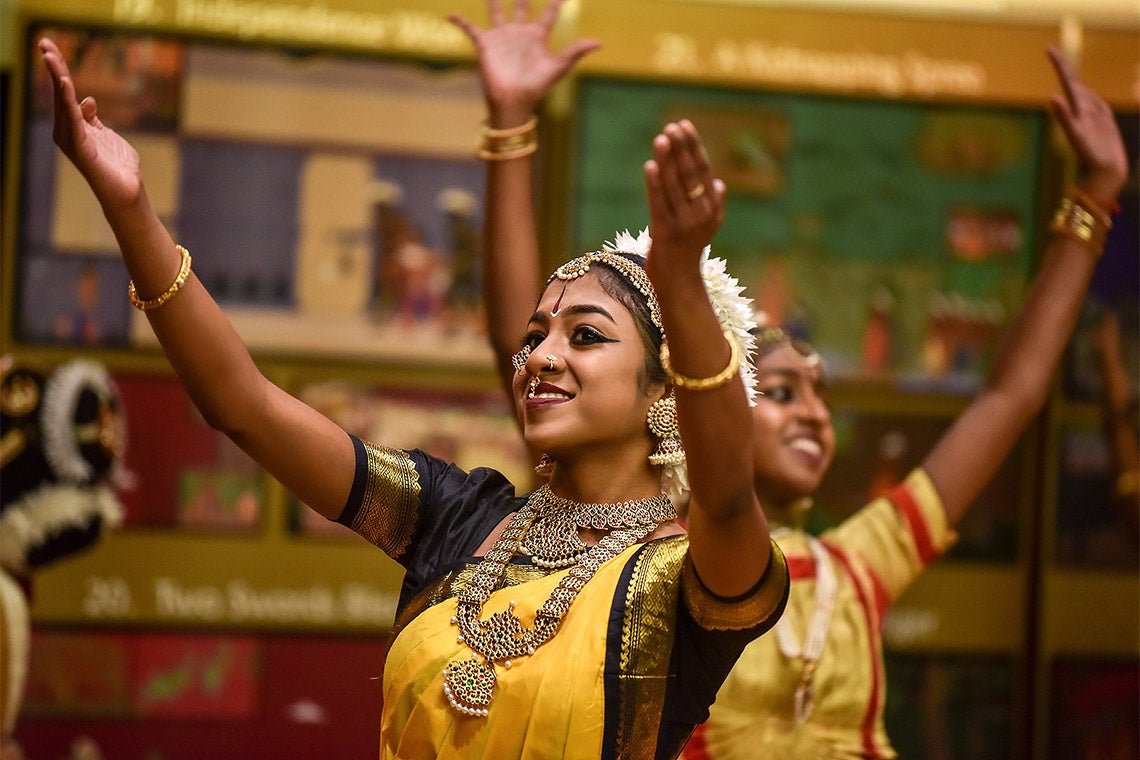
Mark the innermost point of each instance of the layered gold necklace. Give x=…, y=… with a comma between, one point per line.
x=547, y=529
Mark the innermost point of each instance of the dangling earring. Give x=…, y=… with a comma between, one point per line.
x=662, y=419
x=545, y=467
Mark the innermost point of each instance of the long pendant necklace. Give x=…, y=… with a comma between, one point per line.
x=469, y=684
x=826, y=590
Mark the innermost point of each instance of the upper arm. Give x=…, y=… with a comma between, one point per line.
x=968, y=455
x=304, y=450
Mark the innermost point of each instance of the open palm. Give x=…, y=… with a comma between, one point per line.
x=105, y=159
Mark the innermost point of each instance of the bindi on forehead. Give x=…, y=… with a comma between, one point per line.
x=558, y=304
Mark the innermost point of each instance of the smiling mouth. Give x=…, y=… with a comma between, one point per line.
x=807, y=446
x=538, y=391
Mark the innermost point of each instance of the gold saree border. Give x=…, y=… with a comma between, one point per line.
x=647, y=646
x=715, y=613
x=391, y=500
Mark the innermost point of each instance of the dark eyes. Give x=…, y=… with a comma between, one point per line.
x=781, y=394
x=587, y=336
x=531, y=340
x=786, y=394
x=583, y=335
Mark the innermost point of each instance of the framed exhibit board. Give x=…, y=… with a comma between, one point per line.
x=323, y=176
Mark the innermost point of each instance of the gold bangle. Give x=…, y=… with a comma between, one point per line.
x=1092, y=205
x=1075, y=221
x=179, y=281
x=505, y=144
x=506, y=155
x=522, y=129
x=704, y=383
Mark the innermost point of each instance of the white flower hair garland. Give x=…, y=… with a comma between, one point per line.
x=733, y=310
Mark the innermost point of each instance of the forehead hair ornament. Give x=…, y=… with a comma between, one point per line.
x=768, y=337
x=733, y=310
x=631, y=271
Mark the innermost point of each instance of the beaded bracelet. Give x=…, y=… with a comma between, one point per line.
x=513, y=142
x=704, y=383
x=179, y=281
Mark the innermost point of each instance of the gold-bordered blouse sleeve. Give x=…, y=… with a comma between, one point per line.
x=391, y=500
x=762, y=606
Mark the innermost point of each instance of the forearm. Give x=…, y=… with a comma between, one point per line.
x=511, y=257
x=201, y=345
x=1018, y=383
x=728, y=533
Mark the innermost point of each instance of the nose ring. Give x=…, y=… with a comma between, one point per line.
x=551, y=358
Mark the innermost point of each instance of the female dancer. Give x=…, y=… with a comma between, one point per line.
x=578, y=621
x=816, y=687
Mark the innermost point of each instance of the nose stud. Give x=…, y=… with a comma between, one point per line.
x=551, y=358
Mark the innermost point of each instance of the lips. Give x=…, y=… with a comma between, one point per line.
x=547, y=393
x=809, y=447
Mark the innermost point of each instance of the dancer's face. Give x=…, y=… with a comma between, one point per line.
x=597, y=394
x=793, y=440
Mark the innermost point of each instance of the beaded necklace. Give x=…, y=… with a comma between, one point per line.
x=826, y=590
x=469, y=684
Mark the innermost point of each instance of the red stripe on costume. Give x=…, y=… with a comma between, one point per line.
x=882, y=596
x=904, y=502
x=801, y=567
x=875, y=652
x=696, y=749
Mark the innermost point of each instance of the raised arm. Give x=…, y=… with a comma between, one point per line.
x=968, y=455
x=517, y=70
x=208, y=356
x=728, y=533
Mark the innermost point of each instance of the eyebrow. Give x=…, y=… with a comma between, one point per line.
x=542, y=318
x=792, y=374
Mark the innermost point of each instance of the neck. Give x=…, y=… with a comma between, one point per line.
x=605, y=477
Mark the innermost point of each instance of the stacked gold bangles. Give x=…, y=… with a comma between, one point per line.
x=505, y=144
x=166, y=295
x=1084, y=219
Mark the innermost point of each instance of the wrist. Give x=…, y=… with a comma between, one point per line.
x=1103, y=190
x=509, y=116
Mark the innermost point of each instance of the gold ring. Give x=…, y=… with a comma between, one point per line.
x=551, y=358
x=697, y=192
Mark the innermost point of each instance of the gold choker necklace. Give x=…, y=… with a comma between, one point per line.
x=552, y=540
x=470, y=684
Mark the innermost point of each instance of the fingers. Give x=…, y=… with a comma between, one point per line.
x=674, y=192
x=550, y=14
x=577, y=50
x=468, y=28
x=659, y=208
x=522, y=10
x=688, y=171
x=686, y=202
x=1067, y=77
x=495, y=12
